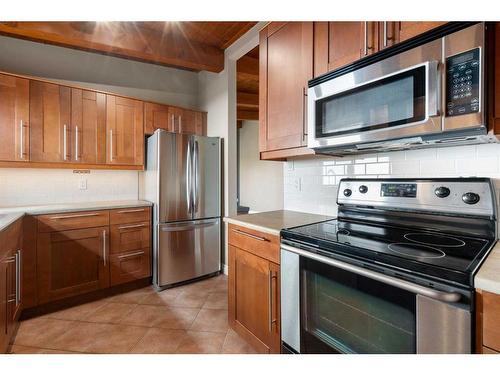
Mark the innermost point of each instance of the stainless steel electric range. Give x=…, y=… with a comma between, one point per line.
x=394, y=273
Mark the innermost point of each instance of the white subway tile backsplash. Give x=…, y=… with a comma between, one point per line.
x=322, y=178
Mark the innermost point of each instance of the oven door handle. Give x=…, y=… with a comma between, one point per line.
x=402, y=284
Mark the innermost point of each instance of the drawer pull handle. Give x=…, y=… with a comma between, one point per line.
x=258, y=238
x=130, y=211
x=132, y=226
x=131, y=255
x=73, y=216
x=104, y=248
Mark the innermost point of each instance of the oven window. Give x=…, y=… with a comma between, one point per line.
x=347, y=313
x=392, y=101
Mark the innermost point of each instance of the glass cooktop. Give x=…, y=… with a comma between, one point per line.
x=446, y=256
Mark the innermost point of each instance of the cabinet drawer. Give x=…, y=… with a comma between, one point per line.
x=128, y=237
x=265, y=245
x=491, y=328
x=72, y=220
x=130, y=215
x=130, y=266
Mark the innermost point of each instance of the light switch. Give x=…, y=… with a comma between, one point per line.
x=82, y=184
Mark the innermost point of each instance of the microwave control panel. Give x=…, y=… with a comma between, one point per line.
x=463, y=73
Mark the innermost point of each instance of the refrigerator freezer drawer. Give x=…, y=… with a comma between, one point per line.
x=186, y=250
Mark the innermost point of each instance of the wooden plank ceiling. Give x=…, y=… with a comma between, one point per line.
x=187, y=45
x=247, y=86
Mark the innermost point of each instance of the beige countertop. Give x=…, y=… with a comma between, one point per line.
x=10, y=214
x=488, y=277
x=273, y=221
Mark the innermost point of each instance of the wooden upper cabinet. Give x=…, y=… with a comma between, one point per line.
x=388, y=34
x=50, y=118
x=340, y=43
x=156, y=116
x=409, y=29
x=191, y=122
x=125, y=131
x=285, y=67
x=14, y=118
x=88, y=126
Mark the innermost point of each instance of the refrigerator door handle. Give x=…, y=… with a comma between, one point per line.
x=189, y=225
x=188, y=177
x=196, y=196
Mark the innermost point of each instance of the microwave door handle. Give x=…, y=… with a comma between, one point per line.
x=433, y=84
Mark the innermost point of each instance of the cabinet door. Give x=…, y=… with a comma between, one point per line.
x=14, y=118
x=388, y=34
x=190, y=122
x=128, y=237
x=409, y=29
x=156, y=116
x=125, y=130
x=286, y=65
x=88, y=126
x=254, y=298
x=50, y=134
x=129, y=266
x=72, y=262
x=4, y=338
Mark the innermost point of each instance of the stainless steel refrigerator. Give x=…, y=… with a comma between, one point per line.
x=183, y=180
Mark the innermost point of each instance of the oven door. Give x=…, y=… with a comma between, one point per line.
x=398, y=97
x=330, y=306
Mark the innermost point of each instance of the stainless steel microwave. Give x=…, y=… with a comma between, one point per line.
x=429, y=94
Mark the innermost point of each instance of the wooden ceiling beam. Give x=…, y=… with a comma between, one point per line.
x=248, y=65
x=247, y=115
x=247, y=99
x=122, y=39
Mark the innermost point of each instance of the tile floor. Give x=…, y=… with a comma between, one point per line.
x=187, y=319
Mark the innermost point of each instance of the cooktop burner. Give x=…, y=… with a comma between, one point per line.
x=434, y=239
x=416, y=251
x=424, y=251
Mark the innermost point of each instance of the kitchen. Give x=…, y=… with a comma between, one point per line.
x=249, y=187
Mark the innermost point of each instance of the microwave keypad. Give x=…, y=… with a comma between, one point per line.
x=462, y=83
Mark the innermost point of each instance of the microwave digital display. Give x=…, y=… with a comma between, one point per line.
x=399, y=190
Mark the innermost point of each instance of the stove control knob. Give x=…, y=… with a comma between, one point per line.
x=442, y=192
x=363, y=189
x=347, y=192
x=470, y=198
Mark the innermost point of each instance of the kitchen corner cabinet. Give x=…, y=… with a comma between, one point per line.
x=285, y=67
x=125, y=130
x=10, y=281
x=254, y=287
x=14, y=118
x=487, y=326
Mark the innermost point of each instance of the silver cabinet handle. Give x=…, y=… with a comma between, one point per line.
x=385, y=33
x=133, y=226
x=131, y=255
x=172, y=117
x=389, y=280
x=270, y=302
x=76, y=143
x=18, y=277
x=104, y=250
x=130, y=211
x=258, y=238
x=73, y=216
x=21, y=140
x=304, y=114
x=111, y=144
x=180, y=123
x=64, y=142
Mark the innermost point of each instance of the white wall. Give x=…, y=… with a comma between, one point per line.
x=127, y=77
x=25, y=186
x=311, y=184
x=261, y=182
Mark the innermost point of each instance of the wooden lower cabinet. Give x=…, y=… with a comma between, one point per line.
x=10, y=281
x=487, y=322
x=72, y=262
x=254, y=298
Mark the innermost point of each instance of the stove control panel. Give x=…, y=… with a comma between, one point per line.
x=473, y=196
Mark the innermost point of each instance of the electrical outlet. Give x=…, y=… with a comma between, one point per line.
x=82, y=184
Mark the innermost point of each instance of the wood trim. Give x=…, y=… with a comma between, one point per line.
x=263, y=90
x=24, y=164
x=282, y=155
x=320, y=48
x=479, y=321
